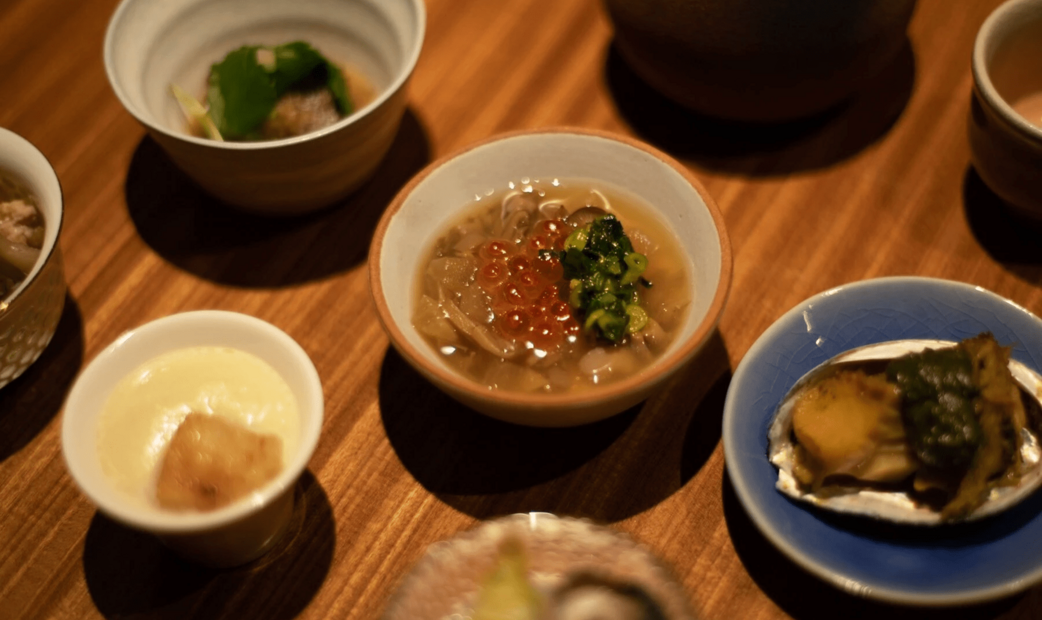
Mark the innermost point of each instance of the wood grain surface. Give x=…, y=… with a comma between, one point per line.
x=881, y=186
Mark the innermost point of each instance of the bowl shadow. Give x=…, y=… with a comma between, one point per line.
x=206, y=237
x=764, y=149
x=130, y=574
x=606, y=471
x=1006, y=236
x=806, y=597
x=30, y=402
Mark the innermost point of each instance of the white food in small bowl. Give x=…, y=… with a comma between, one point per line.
x=92, y=427
x=149, y=405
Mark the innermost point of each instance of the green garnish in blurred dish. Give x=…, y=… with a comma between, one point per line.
x=603, y=274
x=244, y=88
x=506, y=593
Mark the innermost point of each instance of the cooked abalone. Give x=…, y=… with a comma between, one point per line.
x=915, y=431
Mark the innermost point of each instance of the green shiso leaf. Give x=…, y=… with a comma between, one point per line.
x=338, y=86
x=241, y=94
x=294, y=62
x=243, y=90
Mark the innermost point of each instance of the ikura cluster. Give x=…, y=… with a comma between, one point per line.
x=540, y=289
x=524, y=282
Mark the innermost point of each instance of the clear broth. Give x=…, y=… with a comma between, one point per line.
x=576, y=361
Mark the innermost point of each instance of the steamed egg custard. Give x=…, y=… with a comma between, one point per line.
x=238, y=408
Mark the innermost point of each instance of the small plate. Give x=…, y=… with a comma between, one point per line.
x=945, y=565
x=446, y=580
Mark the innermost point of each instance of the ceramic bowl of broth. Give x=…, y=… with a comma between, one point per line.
x=1005, y=122
x=467, y=280
x=151, y=47
x=32, y=280
x=195, y=427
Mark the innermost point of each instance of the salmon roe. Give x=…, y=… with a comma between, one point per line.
x=525, y=284
x=497, y=248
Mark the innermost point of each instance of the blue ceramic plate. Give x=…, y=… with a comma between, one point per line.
x=944, y=565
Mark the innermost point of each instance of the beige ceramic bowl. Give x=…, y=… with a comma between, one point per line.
x=228, y=536
x=30, y=314
x=758, y=61
x=1006, y=149
x=446, y=581
x=150, y=45
x=436, y=197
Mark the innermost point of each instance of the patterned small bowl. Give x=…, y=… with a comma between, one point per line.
x=445, y=582
x=29, y=315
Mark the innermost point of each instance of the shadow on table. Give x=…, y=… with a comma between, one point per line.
x=30, y=402
x=764, y=149
x=130, y=574
x=606, y=471
x=1005, y=236
x=206, y=237
x=805, y=597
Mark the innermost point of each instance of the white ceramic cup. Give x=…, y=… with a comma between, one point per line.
x=447, y=188
x=150, y=45
x=228, y=536
x=30, y=314
x=1006, y=148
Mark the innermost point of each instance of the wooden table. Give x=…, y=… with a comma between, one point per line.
x=882, y=187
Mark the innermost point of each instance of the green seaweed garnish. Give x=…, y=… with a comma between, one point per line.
x=245, y=87
x=938, y=390
x=603, y=273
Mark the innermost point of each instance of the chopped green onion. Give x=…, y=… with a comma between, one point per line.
x=592, y=317
x=603, y=273
x=576, y=240
x=638, y=318
x=612, y=326
x=575, y=291
x=636, y=263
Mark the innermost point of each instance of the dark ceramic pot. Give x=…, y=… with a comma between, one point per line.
x=755, y=60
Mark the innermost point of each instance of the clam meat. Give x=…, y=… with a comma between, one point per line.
x=912, y=431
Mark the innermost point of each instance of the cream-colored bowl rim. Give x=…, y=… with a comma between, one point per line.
x=983, y=47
